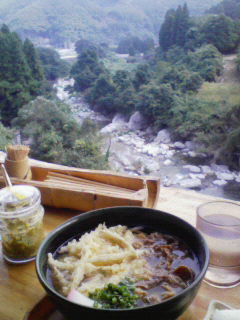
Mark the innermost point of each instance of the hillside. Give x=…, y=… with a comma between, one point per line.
x=105, y=20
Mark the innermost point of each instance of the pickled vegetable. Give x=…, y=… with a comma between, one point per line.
x=22, y=240
x=21, y=224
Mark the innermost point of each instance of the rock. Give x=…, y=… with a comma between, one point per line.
x=149, y=131
x=152, y=166
x=192, y=168
x=167, y=162
x=166, y=182
x=163, y=137
x=139, y=143
x=237, y=179
x=197, y=176
x=116, y=126
x=189, y=145
x=192, y=154
x=151, y=149
x=164, y=147
x=219, y=168
x=190, y=183
x=137, y=121
x=170, y=153
x=219, y=182
x=206, y=170
x=179, y=145
x=119, y=118
x=179, y=176
x=225, y=176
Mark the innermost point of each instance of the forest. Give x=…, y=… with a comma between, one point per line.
x=100, y=21
x=175, y=86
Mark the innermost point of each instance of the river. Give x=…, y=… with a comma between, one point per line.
x=139, y=153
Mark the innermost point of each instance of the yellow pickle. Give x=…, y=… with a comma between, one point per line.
x=21, y=223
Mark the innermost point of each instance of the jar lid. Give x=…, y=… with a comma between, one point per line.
x=18, y=199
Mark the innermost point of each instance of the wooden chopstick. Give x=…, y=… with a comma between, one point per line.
x=66, y=177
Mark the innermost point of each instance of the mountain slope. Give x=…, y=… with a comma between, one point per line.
x=100, y=20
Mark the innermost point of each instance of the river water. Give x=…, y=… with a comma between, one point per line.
x=138, y=153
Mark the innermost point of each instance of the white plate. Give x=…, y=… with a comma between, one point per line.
x=215, y=305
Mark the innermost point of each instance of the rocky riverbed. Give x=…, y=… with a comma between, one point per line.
x=135, y=150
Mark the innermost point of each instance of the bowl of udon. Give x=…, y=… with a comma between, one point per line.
x=123, y=262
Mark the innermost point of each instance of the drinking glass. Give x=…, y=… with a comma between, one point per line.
x=219, y=223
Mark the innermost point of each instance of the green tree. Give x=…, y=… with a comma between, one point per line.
x=167, y=30
x=83, y=45
x=35, y=66
x=55, y=136
x=230, y=8
x=54, y=67
x=156, y=103
x=6, y=136
x=181, y=25
x=206, y=60
x=142, y=76
x=102, y=94
x=15, y=76
x=222, y=32
x=174, y=28
x=122, y=80
x=87, y=70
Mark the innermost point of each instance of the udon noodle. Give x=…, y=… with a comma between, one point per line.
x=110, y=255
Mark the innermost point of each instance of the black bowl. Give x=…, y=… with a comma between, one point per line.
x=130, y=216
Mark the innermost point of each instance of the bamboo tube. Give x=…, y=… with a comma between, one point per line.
x=17, y=162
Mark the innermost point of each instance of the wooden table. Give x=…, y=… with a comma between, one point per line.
x=20, y=289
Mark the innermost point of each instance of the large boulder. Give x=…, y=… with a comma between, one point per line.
x=190, y=183
x=225, y=176
x=137, y=121
x=179, y=145
x=191, y=168
x=114, y=126
x=163, y=136
x=119, y=118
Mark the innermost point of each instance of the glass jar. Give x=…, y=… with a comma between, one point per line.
x=21, y=223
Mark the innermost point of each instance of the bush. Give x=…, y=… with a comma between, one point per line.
x=55, y=136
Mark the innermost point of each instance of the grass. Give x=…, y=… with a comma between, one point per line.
x=224, y=93
x=114, y=63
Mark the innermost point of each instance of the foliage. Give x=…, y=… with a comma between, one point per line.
x=206, y=60
x=141, y=77
x=222, y=32
x=212, y=124
x=104, y=20
x=230, y=8
x=86, y=70
x=135, y=44
x=238, y=60
x=6, y=136
x=174, y=28
x=83, y=45
x=55, y=136
x=21, y=77
x=156, y=103
x=101, y=88
x=54, y=67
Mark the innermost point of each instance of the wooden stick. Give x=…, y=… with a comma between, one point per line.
x=39, y=184
x=6, y=176
x=78, y=179
x=82, y=183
